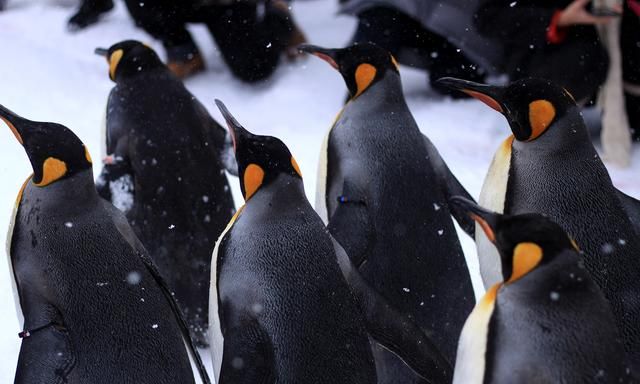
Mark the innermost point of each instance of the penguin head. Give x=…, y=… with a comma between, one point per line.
x=54, y=151
x=361, y=65
x=129, y=57
x=530, y=105
x=524, y=241
x=261, y=159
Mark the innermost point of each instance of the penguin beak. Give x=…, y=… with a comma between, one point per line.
x=488, y=94
x=104, y=52
x=237, y=131
x=326, y=54
x=14, y=122
x=487, y=219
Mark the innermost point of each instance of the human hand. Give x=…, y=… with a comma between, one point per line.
x=576, y=13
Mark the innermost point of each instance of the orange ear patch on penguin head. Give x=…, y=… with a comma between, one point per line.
x=541, y=114
x=365, y=73
x=252, y=180
x=114, y=59
x=526, y=256
x=52, y=170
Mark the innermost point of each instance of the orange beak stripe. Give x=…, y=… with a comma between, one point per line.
x=490, y=101
x=13, y=129
x=485, y=227
x=328, y=59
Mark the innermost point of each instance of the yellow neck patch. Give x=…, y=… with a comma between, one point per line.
x=541, y=114
x=87, y=155
x=295, y=166
x=395, y=63
x=114, y=59
x=365, y=73
x=13, y=129
x=526, y=256
x=52, y=170
x=252, y=179
x=24, y=185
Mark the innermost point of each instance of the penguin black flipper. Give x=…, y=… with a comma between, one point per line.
x=632, y=207
x=139, y=251
x=252, y=358
x=119, y=172
x=58, y=360
x=351, y=224
x=393, y=330
x=450, y=187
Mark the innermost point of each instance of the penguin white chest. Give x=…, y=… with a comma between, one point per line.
x=492, y=197
x=472, y=347
x=216, y=339
x=12, y=224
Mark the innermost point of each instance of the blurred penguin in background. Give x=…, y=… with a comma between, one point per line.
x=251, y=35
x=437, y=36
x=88, y=13
x=165, y=169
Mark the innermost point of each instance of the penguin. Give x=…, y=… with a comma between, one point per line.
x=384, y=188
x=93, y=306
x=549, y=166
x=168, y=155
x=286, y=304
x=547, y=321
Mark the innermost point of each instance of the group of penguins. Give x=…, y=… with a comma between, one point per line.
x=370, y=287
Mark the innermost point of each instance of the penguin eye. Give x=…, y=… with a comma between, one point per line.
x=526, y=256
x=365, y=73
x=541, y=114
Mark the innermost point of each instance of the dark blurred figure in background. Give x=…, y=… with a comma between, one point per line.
x=88, y=13
x=251, y=35
x=429, y=34
x=2, y=4
x=550, y=39
x=630, y=45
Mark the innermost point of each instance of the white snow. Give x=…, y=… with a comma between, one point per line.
x=49, y=74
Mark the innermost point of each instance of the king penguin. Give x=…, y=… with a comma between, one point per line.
x=550, y=166
x=287, y=305
x=167, y=154
x=93, y=306
x=384, y=188
x=547, y=322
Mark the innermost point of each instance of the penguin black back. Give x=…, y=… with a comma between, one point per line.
x=163, y=144
x=551, y=167
x=94, y=309
x=278, y=299
x=378, y=184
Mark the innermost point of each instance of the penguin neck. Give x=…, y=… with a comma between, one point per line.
x=144, y=70
x=564, y=274
x=277, y=195
x=386, y=91
x=77, y=190
x=567, y=135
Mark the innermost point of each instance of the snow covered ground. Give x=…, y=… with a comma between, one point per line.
x=49, y=74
